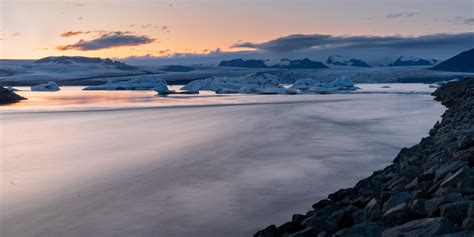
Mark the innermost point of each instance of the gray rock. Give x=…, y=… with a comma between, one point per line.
x=459, y=234
x=449, y=168
x=468, y=224
x=396, y=199
x=418, y=206
x=466, y=186
x=455, y=212
x=460, y=175
x=308, y=232
x=422, y=228
x=298, y=218
x=399, y=215
x=321, y=223
x=432, y=205
x=267, y=232
x=361, y=230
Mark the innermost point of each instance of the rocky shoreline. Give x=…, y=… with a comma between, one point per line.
x=9, y=97
x=427, y=191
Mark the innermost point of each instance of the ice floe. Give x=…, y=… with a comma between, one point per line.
x=135, y=83
x=50, y=86
x=255, y=83
x=265, y=83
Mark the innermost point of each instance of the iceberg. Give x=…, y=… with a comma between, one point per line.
x=343, y=83
x=304, y=84
x=135, y=83
x=50, y=86
x=385, y=87
x=265, y=83
x=255, y=83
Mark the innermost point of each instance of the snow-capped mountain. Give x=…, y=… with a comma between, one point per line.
x=66, y=60
x=299, y=64
x=344, y=61
x=412, y=61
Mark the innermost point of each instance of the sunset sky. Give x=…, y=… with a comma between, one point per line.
x=32, y=29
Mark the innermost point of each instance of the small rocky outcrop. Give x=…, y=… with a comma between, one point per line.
x=8, y=97
x=427, y=191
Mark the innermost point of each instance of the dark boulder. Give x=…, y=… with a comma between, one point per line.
x=8, y=97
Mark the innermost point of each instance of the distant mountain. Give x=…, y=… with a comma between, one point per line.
x=251, y=63
x=463, y=62
x=300, y=64
x=412, y=61
x=66, y=60
x=344, y=61
x=177, y=68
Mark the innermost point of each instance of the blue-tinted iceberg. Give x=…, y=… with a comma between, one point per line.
x=148, y=82
x=255, y=83
x=50, y=86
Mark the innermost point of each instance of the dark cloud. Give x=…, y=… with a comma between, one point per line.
x=401, y=15
x=463, y=20
x=300, y=42
x=109, y=40
x=72, y=33
x=16, y=34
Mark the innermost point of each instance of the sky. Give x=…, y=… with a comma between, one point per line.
x=31, y=29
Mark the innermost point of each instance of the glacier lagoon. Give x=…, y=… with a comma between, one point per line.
x=129, y=163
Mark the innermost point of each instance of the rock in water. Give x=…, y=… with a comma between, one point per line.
x=8, y=97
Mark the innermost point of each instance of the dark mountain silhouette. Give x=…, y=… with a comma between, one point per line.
x=463, y=62
x=251, y=63
x=67, y=60
x=412, y=61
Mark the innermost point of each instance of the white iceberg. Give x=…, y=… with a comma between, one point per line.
x=343, y=83
x=304, y=84
x=50, y=86
x=255, y=83
x=135, y=83
x=11, y=88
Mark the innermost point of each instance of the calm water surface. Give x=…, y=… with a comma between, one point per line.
x=77, y=163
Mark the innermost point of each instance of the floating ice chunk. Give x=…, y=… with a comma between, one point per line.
x=304, y=84
x=135, y=83
x=385, y=87
x=202, y=84
x=11, y=88
x=50, y=86
x=343, y=83
x=254, y=83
